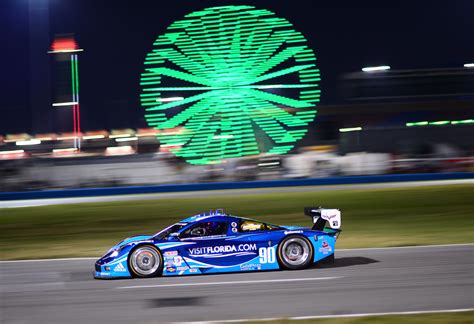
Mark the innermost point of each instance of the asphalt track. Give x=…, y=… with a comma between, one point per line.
x=361, y=281
x=227, y=192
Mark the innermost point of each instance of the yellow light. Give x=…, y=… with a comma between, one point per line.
x=12, y=152
x=376, y=68
x=63, y=104
x=146, y=134
x=29, y=142
x=119, y=150
x=350, y=129
x=119, y=135
x=93, y=137
x=72, y=149
x=66, y=138
x=126, y=139
x=66, y=51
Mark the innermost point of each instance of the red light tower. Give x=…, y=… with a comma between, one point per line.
x=66, y=46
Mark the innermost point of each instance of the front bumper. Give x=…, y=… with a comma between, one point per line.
x=113, y=270
x=108, y=275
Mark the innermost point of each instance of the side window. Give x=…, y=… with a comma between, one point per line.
x=250, y=225
x=205, y=229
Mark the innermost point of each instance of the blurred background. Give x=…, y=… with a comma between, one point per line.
x=397, y=94
x=396, y=98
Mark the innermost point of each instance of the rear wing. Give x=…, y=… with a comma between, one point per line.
x=324, y=216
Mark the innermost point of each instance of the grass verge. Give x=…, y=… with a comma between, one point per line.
x=438, y=318
x=371, y=218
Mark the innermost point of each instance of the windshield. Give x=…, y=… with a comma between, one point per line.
x=170, y=229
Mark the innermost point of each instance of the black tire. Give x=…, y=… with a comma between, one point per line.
x=145, y=261
x=295, y=252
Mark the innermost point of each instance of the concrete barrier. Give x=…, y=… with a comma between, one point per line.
x=90, y=192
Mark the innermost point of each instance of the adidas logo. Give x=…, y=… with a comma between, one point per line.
x=119, y=268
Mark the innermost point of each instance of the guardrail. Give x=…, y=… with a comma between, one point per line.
x=90, y=192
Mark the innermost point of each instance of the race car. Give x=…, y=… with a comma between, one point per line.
x=216, y=242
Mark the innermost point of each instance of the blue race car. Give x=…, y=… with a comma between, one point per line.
x=216, y=242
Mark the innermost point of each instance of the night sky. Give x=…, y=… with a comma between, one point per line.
x=116, y=36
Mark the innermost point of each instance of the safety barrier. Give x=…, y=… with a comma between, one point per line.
x=90, y=192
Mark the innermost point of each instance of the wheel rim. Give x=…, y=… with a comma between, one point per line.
x=295, y=251
x=145, y=261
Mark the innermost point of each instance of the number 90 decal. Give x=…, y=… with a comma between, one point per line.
x=267, y=255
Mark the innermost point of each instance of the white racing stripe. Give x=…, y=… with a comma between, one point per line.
x=337, y=250
x=300, y=318
x=227, y=283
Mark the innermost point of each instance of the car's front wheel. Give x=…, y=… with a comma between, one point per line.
x=295, y=252
x=145, y=261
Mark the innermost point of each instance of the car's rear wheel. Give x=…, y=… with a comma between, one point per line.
x=295, y=252
x=145, y=261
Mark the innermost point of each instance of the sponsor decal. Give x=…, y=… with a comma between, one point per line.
x=293, y=232
x=170, y=269
x=250, y=267
x=325, y=248
x=182, y=268
x=178, y=261
x=219, y=249
x=193, y=270
x=170, y=253
x=119, y=268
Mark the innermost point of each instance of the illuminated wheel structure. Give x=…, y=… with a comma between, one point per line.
x=230, y=81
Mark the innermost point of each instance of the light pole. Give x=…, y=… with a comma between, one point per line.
x=66, y=45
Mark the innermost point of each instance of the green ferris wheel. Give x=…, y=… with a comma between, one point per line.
x=228, y=82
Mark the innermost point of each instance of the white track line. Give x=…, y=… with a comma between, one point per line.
x=48, y=260
x=341, y=250
x=299, y=318
x=407, y=247
x=227, y=283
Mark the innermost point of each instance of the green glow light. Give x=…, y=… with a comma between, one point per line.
x=422, y=123
x=441, y=122
x=465, y=121
x=73, y=79
x=231, y=65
